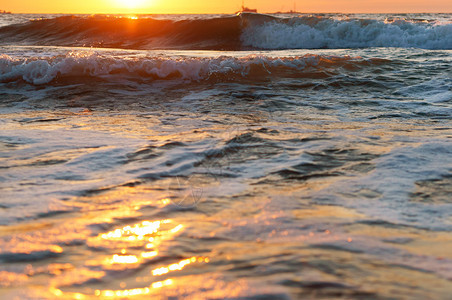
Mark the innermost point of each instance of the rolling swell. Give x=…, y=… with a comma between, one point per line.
x=241, y=32
x=90, y=64
x=125, y=33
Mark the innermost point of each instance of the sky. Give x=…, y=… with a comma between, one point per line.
x=221, y=6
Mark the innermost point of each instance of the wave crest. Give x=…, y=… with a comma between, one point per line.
x=91, y=64
x=241, y=32
x=127, y=33
x=320, y=33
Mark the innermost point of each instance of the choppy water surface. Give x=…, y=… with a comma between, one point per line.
x=258, y=173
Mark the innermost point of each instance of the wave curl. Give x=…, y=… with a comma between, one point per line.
x=241, y=32
x=82, y=64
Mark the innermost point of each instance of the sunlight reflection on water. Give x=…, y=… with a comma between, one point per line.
x=126, y=240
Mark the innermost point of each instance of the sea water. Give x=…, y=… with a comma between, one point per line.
x=222, y=156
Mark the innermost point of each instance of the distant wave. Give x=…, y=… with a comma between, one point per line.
x=327, y=33
x=242, y=32
x=79, y=65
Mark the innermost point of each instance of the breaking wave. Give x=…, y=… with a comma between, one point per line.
x=327, y=33
x=240, y=32
x=92, y=64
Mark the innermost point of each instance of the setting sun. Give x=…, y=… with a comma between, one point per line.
x=132, y=3
x=217, y=6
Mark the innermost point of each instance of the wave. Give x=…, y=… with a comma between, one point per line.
x=127, y=33
x=241, y=32
x=91, y=64
x=327, y=33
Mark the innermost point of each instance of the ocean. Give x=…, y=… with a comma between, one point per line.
x=251, y=156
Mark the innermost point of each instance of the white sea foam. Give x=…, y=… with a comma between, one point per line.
x=44, y=70
x=433, y=90
x=315, y=33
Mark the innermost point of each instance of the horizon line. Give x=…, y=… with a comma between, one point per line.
x=222, y=13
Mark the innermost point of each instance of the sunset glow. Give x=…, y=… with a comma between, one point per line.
x=216, y=6
x=132, y=4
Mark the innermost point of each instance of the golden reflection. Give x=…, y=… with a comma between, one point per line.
x=134, y=292
x=123, y=259
x=25, y=247
x=165, y=201
x=149, y=254
x=56, y=292
x=176, y=229
x=126, y=241
x=130, y=246
x=178, y=266
x=146, y=233
x=59, y=293
x=138, y=231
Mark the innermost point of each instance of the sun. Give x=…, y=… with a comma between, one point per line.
x=132, y=3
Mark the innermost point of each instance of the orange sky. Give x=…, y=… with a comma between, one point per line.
x=221, y=6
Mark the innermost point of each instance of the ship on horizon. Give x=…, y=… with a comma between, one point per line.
x=4, y=12
x=292, y=11
x=246, y=9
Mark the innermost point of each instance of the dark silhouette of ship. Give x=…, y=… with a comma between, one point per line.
x=292, y=11
x=246, y=9
x=4, y=12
